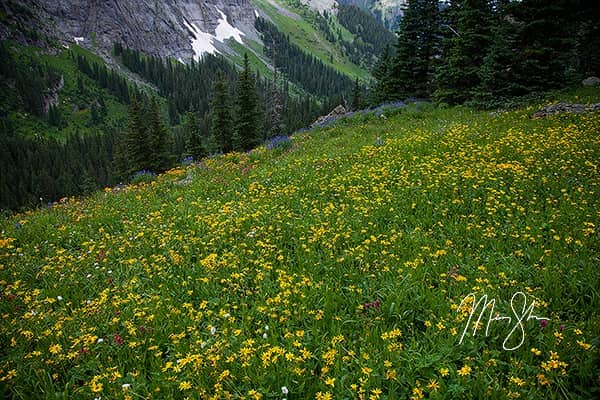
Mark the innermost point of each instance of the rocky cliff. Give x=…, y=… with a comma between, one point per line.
x=181, y=29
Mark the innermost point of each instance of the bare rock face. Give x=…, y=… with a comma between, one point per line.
x=156, y=27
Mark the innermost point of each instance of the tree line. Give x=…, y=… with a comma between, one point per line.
x=488, y=51
x=371, y=36
x=230, y=110
x=299, y=67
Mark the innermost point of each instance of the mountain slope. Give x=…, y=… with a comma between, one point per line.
x=347, y=252
x=178, y=29
x=388, y=12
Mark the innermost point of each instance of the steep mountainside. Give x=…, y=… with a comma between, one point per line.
x=181, y=29
x=387, y=11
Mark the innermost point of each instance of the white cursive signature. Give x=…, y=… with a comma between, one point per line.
x=524, y=315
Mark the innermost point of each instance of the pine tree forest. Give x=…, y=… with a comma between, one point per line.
x=486, y=52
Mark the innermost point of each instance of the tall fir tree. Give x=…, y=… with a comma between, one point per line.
x=158, y=139
x=356, y=103
x=381, y=92
x=469, y=31
x=275, y=107
x=412, y=69
x=546, y=43
x=247, y=117
x=194, y=145
x=137, y=143
x=221, y=126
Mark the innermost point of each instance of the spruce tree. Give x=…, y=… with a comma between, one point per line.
x=137, y=143
x=547, y=48
x=468, y=27
x=275, y=109
x=411, y=71
x=193, y=144
x=381, y=92
x=247, y=129
x=356, y=97
x=221, y=127
x=158, y=139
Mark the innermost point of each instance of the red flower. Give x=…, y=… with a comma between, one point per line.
x=118, y=339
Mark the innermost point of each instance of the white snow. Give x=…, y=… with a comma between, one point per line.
x=202, y=42
x=256, y=13
x=78, y=39
x=225, y=30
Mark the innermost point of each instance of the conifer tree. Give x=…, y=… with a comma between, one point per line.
x=221, y=127
x=411, y=71
x=193, y=145
x=356, y=97
x=137, y=143
x=546, y=43
x=469, y=33
x=158, y=139
x=247, y=129
x=275, y=108
x=381, y=72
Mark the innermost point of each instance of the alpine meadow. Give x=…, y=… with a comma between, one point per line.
x=287, y=200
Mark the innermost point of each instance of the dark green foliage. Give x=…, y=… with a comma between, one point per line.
x=27, y=79
x=356, y=97
x=275, y=109
x=247, y=114
x=546, y=43
x=381, y=91
x=299, y=67
x=106, y=78
x=189, y=87
x=194, y=144
x=371, y=36
x=412, y=69
x=186, y=87
x=137, y=142
x=587, y=36
x=54, y=118
x=221, y=127
x=469, y=23
x=158, y=139
x=36, y=172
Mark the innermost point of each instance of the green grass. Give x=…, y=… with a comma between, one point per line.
x=335, y=268
x=308, y=38
x=74, y=106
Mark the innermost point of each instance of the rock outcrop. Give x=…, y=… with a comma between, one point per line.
x=572, y=108
x=336, y=113
x=165, y=28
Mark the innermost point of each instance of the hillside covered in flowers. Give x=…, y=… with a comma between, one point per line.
x=420, y=253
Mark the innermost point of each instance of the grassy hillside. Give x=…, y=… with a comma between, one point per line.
x=75, y=99
x=333, y=266
x=305, y=34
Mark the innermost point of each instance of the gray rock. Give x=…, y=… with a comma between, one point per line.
x=572, y=108
x=156, y=27
x=336, y=113
x=591, y=81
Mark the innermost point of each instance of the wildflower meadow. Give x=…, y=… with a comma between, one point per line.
x=425, y=253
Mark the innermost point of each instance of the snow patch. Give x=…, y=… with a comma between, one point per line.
x=225, y=30
x=78, y=39
x=202, y=42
